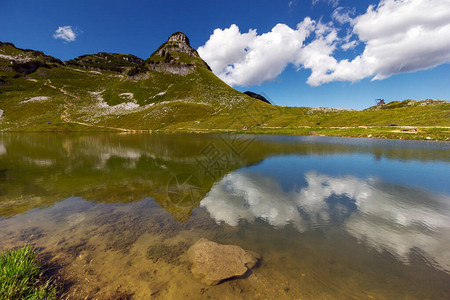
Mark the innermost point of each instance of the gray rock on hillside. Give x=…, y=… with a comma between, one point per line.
x=214, y=263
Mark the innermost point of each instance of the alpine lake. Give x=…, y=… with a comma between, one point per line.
x=113, y=215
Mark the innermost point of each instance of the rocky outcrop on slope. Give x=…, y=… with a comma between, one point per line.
x=24, y=61
x=115, y=62
x=257, y=96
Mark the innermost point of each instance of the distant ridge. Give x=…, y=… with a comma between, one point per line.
x=257, y=96
x=113, y=90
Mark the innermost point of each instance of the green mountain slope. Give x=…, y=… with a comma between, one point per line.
x=113, y=90
x=175, y=90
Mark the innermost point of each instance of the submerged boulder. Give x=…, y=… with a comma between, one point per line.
x=214, y=263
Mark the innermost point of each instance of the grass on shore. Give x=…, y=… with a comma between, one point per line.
x=21, y=276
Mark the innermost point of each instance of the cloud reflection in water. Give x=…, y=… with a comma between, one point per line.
x=385, y=217
x=2, y=149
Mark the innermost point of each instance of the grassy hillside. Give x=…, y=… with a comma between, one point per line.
x=174, y=90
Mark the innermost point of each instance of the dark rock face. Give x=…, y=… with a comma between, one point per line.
x=29, y=67
x=257, y=96
x=3, y=82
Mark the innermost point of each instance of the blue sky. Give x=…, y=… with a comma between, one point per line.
x=259, y=61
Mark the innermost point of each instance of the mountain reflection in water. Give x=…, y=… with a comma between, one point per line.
x=333, y=218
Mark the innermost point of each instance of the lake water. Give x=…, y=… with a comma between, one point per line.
x=332, y=218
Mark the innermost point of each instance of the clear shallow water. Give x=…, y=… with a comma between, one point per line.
x=332, y=218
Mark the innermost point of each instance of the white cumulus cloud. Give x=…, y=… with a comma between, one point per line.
x=399, y=36
x=248, y=58
x=65, y=33
x=343, y=15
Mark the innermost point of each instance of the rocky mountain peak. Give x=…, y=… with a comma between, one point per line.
x=178, y=42
x=176, y=56
x=179, y=37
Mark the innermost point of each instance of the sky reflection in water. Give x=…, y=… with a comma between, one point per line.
x=385, y=216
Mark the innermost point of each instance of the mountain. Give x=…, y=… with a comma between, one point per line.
x=174, y=90
x=174, y=86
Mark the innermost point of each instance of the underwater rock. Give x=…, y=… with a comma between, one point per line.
x=214, y=263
